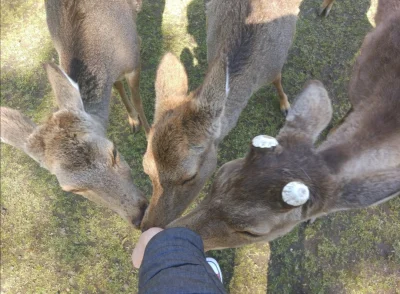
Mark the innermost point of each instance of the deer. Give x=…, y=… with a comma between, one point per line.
x=287, y=180
x=247, y=46
x=98, y=45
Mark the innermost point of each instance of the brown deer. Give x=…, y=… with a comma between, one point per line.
x=247, y=43
x=285, y=181
x=97, y=44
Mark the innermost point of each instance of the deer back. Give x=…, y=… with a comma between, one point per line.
x=368, y=138
x=264, y=31
x=97, y=43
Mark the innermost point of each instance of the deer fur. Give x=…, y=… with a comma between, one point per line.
x=247, y=45
x=97, y=44
x=72, y=145
x=357, y=166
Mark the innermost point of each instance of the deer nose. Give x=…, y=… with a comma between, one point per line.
x=138, y=220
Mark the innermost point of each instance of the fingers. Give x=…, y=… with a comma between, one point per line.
x=138, y=251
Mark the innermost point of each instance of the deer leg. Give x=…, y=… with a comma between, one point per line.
x=283, y=100
x=133, y=117
x=326, y=7
x=133, y=82
x=311, y=220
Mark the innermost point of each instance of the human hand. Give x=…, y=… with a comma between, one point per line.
x=138, y=251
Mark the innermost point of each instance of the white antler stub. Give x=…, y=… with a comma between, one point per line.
x=264, y=141
x=295, y=193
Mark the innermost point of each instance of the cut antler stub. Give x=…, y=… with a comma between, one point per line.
x=264, y=141
x=295, y=194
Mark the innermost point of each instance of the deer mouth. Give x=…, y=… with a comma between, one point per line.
x=137, y=221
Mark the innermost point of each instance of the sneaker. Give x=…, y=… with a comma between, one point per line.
x=215, y=266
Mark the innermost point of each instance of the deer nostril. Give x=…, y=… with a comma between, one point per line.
x=144, y=206
x=137, y=222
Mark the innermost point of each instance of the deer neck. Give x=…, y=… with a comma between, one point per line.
x=361, y=144
x=235, y=103
x=95, y=88
x=97, y=102
x=223, y=96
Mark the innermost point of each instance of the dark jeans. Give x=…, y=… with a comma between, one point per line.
x=174, y=262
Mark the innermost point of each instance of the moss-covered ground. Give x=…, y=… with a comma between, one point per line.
x=57, y=242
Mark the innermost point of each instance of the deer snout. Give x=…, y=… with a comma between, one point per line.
x=137, y=220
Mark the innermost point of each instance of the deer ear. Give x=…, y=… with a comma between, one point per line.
x=215, y=89
x=171, y=82
x=16, y=130
x=369, y=190
x=171, y=77
x=310, y=114
x=65, y=89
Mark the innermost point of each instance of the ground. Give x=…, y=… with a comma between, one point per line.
x=57, y=242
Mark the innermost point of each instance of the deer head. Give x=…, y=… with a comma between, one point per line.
x=282, y=182
x=182, y=150
x=72, y=145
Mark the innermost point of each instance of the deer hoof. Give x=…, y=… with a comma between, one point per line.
x=135, y=125
x=284, y=104
x=324, y=11
x=285, y=109
x=311, y=221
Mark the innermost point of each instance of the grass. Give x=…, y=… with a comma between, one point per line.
x=57, y=242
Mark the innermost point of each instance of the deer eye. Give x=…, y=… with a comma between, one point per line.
x=249, y=234
x=189, y=179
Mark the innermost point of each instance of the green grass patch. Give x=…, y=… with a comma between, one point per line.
x=57, y=242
